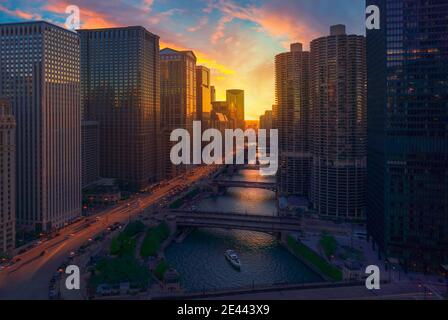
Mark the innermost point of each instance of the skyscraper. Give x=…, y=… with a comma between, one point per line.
x=90, y=152
x=292, y=118
x=7, y=178
x=178, y=99
x=213, y=93
x=266, y=123
x=203, y=92
x=40, y=76
x=407, y=202
x=120, y=79
x=235, y=100
x=338, y=103
x=266, y=120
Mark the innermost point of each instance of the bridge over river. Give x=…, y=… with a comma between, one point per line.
x=228, y=220
x=222, y=183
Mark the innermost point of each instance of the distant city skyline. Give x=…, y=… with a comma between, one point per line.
x=235, y=39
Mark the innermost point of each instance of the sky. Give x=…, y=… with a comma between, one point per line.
x=236, y=39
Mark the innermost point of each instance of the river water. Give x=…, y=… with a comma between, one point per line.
x=200, y=258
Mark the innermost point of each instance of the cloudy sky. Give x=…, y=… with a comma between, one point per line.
x=238, y=40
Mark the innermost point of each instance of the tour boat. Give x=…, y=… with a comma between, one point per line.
x=232, y=257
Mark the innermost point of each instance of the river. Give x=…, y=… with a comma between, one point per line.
x=200, y=258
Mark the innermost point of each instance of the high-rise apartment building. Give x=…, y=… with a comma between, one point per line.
x=7, y=178
x=178, y=99
x=338, y=103
x=39, y=74
x=292, y=118
x=235, y=100
x=120, y=79
x=203, y=92
x=407, y=172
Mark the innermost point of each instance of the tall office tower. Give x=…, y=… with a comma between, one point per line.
x=338, y=101
x=7, y=178
x=235, y=99
x=293, y=120
x=39, y=74
x=120, y=80
x=90, y=156
x=178, y=99
x=213, y=93
x=266, y=123
x=266, y=120
x=407, y=173
x=203, y=92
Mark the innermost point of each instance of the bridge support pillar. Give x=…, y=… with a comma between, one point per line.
x=283, y=237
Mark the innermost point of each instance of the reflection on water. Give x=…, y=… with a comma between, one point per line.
x=200, y=258
x=201, y=262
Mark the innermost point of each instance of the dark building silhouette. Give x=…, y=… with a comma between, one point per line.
x=407, y=185
x=120, y=76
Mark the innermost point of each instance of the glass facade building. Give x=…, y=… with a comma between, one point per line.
x=235, y=100
x=407, y=204
x=178, y=100
x=203, y=92
x=120, y=79
x=39, y=74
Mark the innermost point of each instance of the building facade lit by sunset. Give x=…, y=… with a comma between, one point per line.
x=213, y=93
x=7, y=178
x=338, y=103
x=407, y=190
x=235, y=100
x=120, y=80
x=40, y=77
x=292, y=118
x=178, y=100
x=266, y=120
x=203, y=92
